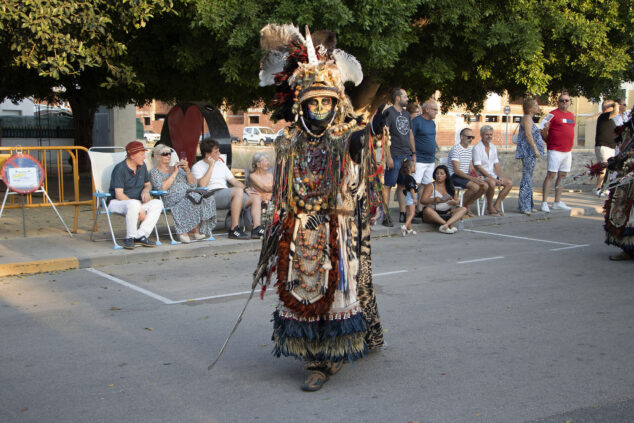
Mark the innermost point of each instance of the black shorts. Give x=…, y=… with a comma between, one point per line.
x=458, y=181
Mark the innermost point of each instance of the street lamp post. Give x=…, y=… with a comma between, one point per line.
x=507, y=111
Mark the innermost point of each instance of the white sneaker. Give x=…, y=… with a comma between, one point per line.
x=184, y=238
x=545, y=207
x=560, y=206
x=403, y=230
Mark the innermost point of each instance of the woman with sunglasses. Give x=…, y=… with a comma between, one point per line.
x=192, y=220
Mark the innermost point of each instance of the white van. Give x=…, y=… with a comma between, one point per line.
x=261, y=135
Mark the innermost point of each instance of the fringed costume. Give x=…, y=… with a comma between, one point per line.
x=618, y=211
x=317, y=246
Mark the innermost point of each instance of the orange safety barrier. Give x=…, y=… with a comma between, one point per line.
x=56, y=165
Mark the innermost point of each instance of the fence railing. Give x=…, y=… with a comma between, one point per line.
x=53, y=161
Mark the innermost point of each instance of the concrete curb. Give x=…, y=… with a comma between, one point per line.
x=39, y=266
x=223, y=246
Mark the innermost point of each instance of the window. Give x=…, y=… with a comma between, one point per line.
x=517, y=119
x=254, y=120
x=490, y=118
x=505, y=119
x=146, y=120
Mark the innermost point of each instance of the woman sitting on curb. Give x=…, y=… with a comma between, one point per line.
x=190, y=219
x=441, y=202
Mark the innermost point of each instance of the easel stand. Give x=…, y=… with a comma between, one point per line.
x=42, y=190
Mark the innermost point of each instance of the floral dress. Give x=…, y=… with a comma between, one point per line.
x=525, y=152
x=187, y=215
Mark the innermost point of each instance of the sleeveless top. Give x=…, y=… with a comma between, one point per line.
x=524, y=148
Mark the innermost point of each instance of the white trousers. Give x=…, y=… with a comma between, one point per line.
x=131, y=209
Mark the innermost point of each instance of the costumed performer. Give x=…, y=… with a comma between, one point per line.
x=618, y=211
x=327, y=183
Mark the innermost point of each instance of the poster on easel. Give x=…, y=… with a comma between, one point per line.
x=22, y=173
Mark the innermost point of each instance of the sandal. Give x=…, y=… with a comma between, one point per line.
x=334, y=368
x=314, y=381
x=623, y=256
x=444, y=229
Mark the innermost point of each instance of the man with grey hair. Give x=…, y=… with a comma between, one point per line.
x=486, y=162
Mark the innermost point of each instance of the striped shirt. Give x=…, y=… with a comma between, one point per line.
x=462, y=155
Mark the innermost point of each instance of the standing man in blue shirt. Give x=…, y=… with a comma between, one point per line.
x=424, y=130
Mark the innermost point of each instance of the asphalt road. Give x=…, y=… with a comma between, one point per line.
x=513, y=323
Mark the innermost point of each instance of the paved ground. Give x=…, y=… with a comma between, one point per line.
x=505, y=323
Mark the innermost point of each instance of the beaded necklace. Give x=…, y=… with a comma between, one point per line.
x=310, y=251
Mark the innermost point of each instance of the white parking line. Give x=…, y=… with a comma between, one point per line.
x=522, y=237
x=189, y=300
x=482, y=259
x=568, y=248
x=131, y=286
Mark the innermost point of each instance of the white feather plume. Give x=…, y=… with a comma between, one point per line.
x=272, y=63
x=310, y=48
x=349, y=66
x=277, y=37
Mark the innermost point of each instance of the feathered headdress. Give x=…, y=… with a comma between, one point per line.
x=302, y=70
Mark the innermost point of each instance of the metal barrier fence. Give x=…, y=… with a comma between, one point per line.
x=52, y=159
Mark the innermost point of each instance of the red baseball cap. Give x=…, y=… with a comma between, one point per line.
x=134, y=147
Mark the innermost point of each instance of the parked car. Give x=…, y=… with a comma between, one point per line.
x=261, y=135
x=152, y=136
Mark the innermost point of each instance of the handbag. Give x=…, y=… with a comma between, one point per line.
x=196, y=195
x=516, y=134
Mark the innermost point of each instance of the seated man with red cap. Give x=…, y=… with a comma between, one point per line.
x=130, y=195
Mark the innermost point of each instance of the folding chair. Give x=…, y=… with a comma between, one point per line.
x=102, y=162
x=482, y=207
x=149, y=163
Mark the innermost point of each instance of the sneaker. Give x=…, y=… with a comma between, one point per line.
x=545, y=207
x=144, y=242
x=560, y=206
x=401, y=217
x=388, y=222
x=198, y=236
x=411, y=232
x=128, y=243
x=258, y=232
x=453, y=230
x=403, y=230
x=237, y=233
x=184, y=238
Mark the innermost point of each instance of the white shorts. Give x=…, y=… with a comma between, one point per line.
x=424, y=173
x=559, y=161
x=603, y=153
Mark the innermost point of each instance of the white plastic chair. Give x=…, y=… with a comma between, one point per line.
x=102, y=162
x=481, y=203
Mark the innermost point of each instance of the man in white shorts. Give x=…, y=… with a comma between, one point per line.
x=486, y=162
x=212, y=173
x=559, y=134
x=424, y=131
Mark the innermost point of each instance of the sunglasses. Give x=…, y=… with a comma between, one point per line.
x=166, y=153
x=469, y=137
x=564, y=100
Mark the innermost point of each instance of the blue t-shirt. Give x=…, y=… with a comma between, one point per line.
x=425, y=138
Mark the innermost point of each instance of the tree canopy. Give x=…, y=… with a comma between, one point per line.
x=464, y=48
x=111, y=53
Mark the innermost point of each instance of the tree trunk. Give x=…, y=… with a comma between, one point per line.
x=83, y=119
